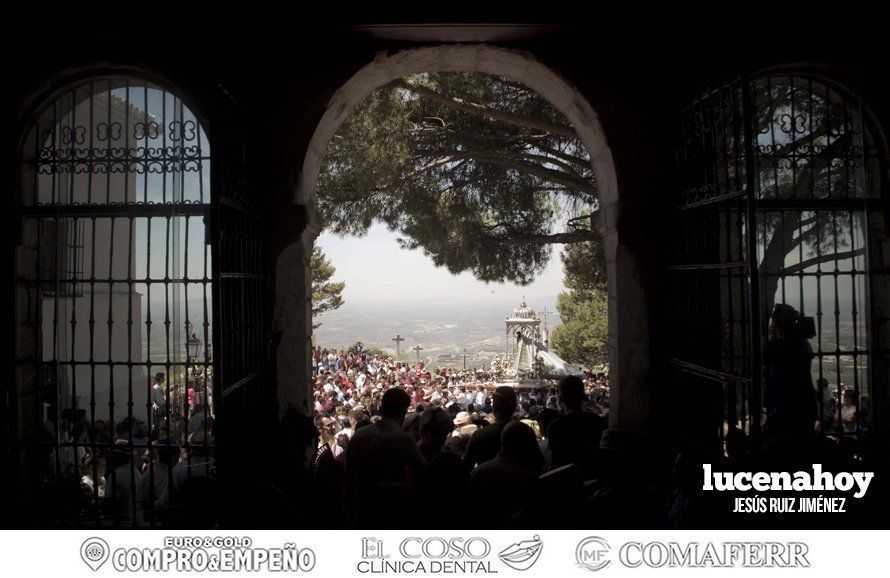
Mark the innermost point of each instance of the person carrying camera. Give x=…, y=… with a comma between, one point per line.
x=792, y=407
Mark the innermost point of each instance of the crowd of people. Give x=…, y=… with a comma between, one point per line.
x=394, y=436
x=390, y=432
x=391, y=444
x=356, y=379
x=130, y=470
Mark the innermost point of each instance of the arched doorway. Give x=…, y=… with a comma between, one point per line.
x=629, y=340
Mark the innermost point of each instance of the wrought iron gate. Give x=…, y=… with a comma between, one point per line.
x=139, y=300
x=781, y=198
x=240, y=286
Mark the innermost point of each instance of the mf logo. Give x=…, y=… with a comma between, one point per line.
x=593, y=553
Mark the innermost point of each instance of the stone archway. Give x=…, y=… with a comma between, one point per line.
x=628, y=306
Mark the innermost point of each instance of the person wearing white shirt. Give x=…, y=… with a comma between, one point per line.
x=468, y=398
x=480, y=398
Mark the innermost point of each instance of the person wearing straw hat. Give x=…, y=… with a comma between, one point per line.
x=460, y=420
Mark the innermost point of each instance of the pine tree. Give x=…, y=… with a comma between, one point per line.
x=476, y=170
x=326, y=294
x=583, y=337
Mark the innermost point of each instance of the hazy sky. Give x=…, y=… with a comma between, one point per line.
x=376, y=269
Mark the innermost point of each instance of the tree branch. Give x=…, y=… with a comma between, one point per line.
x=481, y=109
x=798, y=267
x=545, y=159
x=543, y=173
x=499, y=158
x=564, y=156
x=550, y=238
x=570, y=182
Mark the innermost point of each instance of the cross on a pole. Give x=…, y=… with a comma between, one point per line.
x=418, y=349
x=398, y=339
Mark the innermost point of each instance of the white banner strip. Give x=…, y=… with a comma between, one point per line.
x=442, y=553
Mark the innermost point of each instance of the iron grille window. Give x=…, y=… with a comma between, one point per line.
x=113, y=287
x=813, y=156
x=66, y=253
x=781, y=204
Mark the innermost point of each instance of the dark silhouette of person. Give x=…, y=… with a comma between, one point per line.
x=485, y=443
x=381, y=461
x=574, y=436
x=445, y=473
x=159, y=393
x=434, y=426
x=623, y=494
x=792, y=407
x=282, y=480
x=509, y=482
x=326, y=470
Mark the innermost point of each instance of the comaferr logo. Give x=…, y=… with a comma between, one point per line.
x=714, y=555
x=593, y=553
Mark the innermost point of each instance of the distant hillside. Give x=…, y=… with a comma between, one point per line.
x=439, y=326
